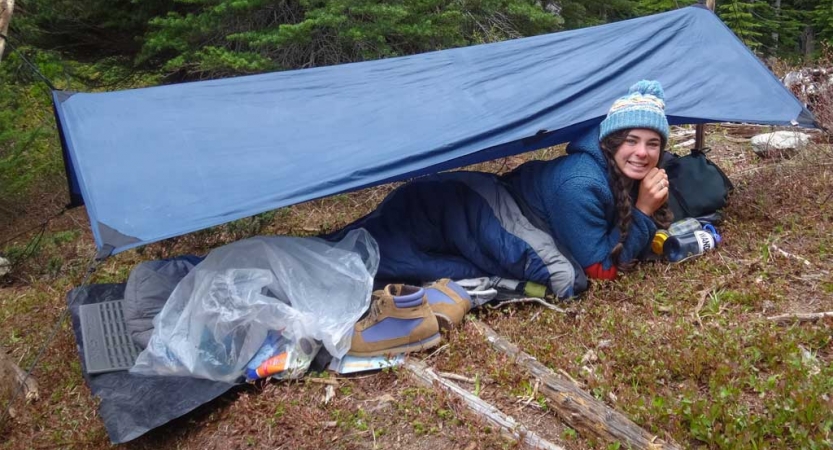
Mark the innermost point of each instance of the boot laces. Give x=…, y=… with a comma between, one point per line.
x=375, y=309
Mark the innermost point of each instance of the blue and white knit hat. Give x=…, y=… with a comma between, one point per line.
x=643, y=107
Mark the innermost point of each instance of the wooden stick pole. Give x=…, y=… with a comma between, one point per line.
x=578, y=409
x=700, y=129
x=506, y=424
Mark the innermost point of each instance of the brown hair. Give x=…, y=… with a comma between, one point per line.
x=620, y=186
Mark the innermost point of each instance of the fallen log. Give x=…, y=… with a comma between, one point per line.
x=506, y=424
x=578, y=409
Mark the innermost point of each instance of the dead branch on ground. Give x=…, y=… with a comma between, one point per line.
x=578, y=409
x=507, y=425
x=800, y=317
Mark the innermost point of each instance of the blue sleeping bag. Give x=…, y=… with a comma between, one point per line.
x=464, y=225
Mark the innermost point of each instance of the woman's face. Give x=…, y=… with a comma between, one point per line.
x=639, y=153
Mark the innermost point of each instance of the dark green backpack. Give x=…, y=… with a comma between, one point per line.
x=698, y=188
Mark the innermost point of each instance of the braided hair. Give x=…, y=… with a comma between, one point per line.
x=620, y=185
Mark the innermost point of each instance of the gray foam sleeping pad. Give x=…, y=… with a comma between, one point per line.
x=148, y=287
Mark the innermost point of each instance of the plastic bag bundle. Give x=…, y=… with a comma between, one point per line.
x=220, y=314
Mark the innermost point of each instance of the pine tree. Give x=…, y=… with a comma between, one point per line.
x=740, y=16
x=822, y=17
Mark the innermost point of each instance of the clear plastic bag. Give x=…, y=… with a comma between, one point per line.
x=219, y=315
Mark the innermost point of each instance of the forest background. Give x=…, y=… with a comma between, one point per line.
x=110, y=44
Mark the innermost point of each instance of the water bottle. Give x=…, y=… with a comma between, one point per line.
x=684, y=226
x=658, y=242
x=678, y=248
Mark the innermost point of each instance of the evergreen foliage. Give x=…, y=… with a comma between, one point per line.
x=740, y=17
x=28, y=143
x=245, y=36
x=822, y=17
x=88, y=29
x=656, y=6
x=578, y=13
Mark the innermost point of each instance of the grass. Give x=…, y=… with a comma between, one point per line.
x=684, y=350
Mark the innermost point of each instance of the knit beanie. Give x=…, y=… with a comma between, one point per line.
x=643, y=107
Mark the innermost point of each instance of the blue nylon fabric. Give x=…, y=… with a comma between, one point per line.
x=164, y=161
x=438, y=227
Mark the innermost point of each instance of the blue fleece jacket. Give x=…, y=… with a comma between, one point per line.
x=571, y=195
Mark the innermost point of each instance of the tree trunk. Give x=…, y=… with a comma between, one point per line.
x=700, y=129
x=775, y=35
x=808, y=43
x=6, y=8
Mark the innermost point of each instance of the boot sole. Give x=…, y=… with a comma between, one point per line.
x=424, y=344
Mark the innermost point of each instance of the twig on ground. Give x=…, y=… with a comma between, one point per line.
x=532, y=397
x=790, y=255
x=702, y=301
x=454, y=376
x=567, y=375
x=736, y=140
x=800, y=317
x=329, y=381
x=826, y=198
x=721, y=282
x=439, y=349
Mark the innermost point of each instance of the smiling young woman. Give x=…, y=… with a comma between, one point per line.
x=604, y=200
x=554, y=222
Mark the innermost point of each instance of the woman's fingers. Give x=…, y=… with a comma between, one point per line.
x=653, y=191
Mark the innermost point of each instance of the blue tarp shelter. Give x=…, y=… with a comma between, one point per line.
x=163, y=161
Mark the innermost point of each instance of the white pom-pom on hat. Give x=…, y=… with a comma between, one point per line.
x=648, y=87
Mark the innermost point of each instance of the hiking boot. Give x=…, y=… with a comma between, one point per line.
x=449, y=301
x=399, y=321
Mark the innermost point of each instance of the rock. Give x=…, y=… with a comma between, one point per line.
x=779, y=142
x=5, y=266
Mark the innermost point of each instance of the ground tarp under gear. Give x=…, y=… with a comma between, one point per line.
x=159, y=162
x=131, y=405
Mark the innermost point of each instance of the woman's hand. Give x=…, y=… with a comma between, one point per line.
x=653, y=191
